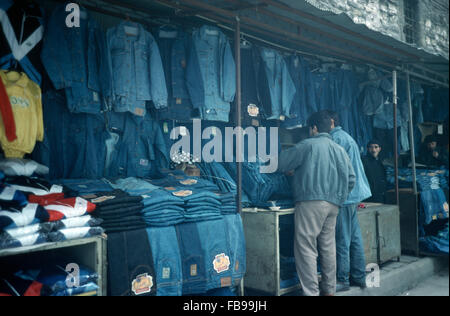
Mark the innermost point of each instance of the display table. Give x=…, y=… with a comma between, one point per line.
x=270, y=237
x=89, y=252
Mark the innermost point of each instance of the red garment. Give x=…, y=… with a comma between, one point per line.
x=45, y=200
x=67, y=208
x=7, y=114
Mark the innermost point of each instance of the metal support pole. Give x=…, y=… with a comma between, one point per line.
x=411, y=133
x=238, y=111
x=394, y=79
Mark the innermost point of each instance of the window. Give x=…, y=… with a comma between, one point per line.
x=411, y=24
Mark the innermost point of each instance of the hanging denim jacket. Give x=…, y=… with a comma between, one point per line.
x=281, y=86
x=216, y=89
x=304, y=103
x=137, y=70
x=174, y=47
x=21, y=33
x=140, y=150
x=76, y=60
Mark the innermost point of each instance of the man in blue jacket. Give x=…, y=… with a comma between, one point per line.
x=323, y=178
x=351, y=263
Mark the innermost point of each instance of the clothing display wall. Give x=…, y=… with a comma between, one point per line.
x=94, y=107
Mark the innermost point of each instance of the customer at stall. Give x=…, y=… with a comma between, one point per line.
x=431, y=154
x=351, y=263
x=323, y=178
x=375, y=172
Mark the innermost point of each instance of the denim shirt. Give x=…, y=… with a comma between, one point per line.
x=216, y=89
x=137, y=71
x=76, y=60
x=174, y=45
x=361, y=191
x=281, y=86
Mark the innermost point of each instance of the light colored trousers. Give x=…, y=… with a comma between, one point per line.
x=315, y=227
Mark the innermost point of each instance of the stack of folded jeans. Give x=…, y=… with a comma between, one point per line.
x=80, y=187
x=179, y=180
x=199, y=205
x=217, y=173
x=160, y=208
x=119, y=210
x=229, y=205
x=426, y=179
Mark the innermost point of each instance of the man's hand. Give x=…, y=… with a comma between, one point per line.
x=435, y=154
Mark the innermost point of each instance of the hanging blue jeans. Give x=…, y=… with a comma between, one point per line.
x=192, y=258
x=217, y=253
x=350, y=256
x=167, y=260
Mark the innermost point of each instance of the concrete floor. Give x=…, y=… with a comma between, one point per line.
x=437, y=285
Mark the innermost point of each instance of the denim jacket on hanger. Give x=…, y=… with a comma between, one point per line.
x=136, y=67
x=174, y=45
x=216, y=89
x=282, y=88
x=76, y=60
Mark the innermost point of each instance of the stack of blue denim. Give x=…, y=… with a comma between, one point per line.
x=178, y=179
x=259, y=187
x=80, y=187
x=426, y=179
x=217, y=173
x=202, y=206
x=436, y=244
x=161, y=208
x=229, y=205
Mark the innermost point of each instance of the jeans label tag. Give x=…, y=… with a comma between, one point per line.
x=193, y=270
x=95, y=96
x=166, y=273
x=221, y=263
x=142, y=284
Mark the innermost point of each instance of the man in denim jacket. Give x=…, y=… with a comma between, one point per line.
x=323, y=178
x=351, y=264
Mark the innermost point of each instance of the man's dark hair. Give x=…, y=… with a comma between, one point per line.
x=374, y=142
x=334, y=116
x=321, y=120
x=430, y=139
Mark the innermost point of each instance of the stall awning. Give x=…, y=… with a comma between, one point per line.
x=295, y=25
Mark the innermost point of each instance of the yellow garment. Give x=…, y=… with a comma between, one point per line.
x=26, y=102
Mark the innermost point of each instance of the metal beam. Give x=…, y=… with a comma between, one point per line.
x=411, y=133
x=394, y=80
x=237, y=43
